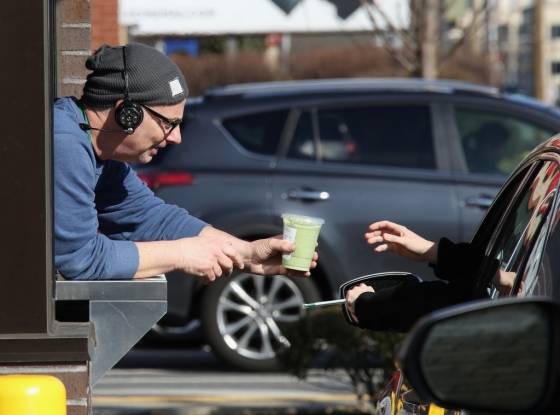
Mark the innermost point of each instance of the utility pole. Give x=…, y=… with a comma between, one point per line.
x=430, y=39
x=538, y=50
x=492, y=42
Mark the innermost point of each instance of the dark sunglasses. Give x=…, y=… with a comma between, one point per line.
x=166, y=120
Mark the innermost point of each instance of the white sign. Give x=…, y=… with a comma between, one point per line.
x=222, y=17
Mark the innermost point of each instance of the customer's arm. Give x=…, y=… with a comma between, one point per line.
x=402, y=241
x=398, y=308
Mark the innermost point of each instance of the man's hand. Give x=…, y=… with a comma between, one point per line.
x=208, y=257
x=400, y=240
x=353, y=294
x=264, y=257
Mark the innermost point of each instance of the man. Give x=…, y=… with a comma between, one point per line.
x=108, y=224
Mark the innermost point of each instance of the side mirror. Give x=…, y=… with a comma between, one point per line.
x=488, y=356
x=377, y=282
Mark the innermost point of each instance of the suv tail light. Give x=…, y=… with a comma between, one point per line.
x=157, y=180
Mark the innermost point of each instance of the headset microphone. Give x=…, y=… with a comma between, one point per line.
x=86, y=127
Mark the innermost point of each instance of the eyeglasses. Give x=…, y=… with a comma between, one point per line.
x=166, y=120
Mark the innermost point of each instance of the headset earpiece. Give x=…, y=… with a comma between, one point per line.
x=129, y=115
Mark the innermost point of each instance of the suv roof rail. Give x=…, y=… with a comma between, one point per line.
x=352, y=84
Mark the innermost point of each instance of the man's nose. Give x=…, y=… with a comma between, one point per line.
x=174, y=137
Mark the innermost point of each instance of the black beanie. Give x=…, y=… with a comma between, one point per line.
x=153, y=78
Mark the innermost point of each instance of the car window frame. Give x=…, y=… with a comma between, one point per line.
x=553, y=211
x=529, y=171
x=491, y=225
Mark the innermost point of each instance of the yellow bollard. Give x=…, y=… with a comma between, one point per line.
x=32, y=395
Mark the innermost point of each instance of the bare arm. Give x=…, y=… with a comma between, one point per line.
x=204, y=256
x=214, y=253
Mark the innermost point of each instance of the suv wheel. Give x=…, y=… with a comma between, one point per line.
x=240, y=315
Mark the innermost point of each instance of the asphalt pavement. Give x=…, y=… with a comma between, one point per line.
x=193, y=381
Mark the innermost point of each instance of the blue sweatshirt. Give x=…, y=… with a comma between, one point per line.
x=101, y=207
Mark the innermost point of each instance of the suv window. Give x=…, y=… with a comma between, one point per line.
x=495, y=143
x=399, y=136
x=259, y=133
x=524, y=223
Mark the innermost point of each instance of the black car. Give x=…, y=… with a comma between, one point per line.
x=428, y=154
x=497, y=356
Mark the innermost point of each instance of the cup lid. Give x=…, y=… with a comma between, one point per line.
x=302, y=218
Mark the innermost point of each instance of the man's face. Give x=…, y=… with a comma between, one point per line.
x=154, y=133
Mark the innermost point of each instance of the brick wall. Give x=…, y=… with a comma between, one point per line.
x=83, y=26
x=75, y=378
x=104, y=23
x=73, y=45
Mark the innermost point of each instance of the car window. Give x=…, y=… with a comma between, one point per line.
x=543, y=263
x=399, y=136
x=259, y=133
x=495, y=143
x=303, y=145
x=524, y=223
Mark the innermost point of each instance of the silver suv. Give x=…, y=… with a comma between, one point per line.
x=429, y=155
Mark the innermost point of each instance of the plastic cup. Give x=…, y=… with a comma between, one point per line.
x=304, y=232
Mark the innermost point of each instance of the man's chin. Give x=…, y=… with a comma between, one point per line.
x=145, y=158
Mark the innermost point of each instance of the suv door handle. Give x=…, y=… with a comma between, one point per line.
x=482, y=202
x=306, y=195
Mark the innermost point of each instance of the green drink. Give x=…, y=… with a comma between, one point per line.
x=304, y=232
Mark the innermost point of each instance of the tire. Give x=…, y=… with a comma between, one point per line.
x=239, y=317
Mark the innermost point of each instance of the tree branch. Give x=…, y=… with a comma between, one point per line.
x=411, y=44
x=396, y=54
x=469, y=31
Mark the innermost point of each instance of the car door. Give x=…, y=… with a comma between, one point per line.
x=515, y=233
x=491, y=142
x=540, y=274
x=353, y=165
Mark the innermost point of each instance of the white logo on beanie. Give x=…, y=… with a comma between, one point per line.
x=176, y=87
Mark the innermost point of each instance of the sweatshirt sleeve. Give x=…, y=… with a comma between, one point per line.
x=460, y=261
x=398, y=308
x=129, y=211
x=80, y=251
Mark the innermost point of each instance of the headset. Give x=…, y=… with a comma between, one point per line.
x=128, y=114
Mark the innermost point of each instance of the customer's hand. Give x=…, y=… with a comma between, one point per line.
x=503, y=281
x=264, y=257
x=353, y=294
x=398, y=239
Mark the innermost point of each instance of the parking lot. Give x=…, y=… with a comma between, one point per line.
x=193, y=381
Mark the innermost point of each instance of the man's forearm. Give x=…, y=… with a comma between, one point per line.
x=156, y=258
x=208, y=256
